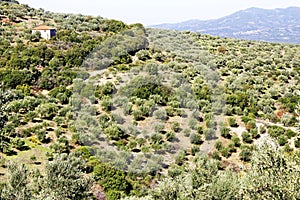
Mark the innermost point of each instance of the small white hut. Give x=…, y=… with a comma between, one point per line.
x=46, y=31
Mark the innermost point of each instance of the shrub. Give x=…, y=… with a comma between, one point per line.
x=262, y=129
x=200, y=130
x=246, y=137
x=231, y=147
x=236, y=141
x=245, y=155
x=187, y=132
x=254, y=133
x=290, y=133
x=282, y=140
x=170, y=136
x=19, y=144
x=246, y=119
x=193, y=123
x=225, y=132
x=160, y=114
x=196, y=139
x=195, y=150
x=111, y=179
x=180, y=157
x=297, y=142
x=175, y=126
x=210, y=134
x=276, y=131
x=174, y=171
x=156, y=138
x=143, y=55
x=225, y=152
x=250, y=125
x=114, y=132
x=215, y=155
x=137, y=115
x=158, y=127
x=232, y=122
x=219, y=145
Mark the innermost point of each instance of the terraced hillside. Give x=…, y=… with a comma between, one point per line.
x=109, y=110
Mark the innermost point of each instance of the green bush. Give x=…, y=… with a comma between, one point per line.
x=196, y=139
x=215, y=155
x=114, y=132
x=232, y=122
x=219, y=145
x=254, y=133
x=225, y=132
x=245, y=155
x=236, y=141
x=175, y=126
x=282, y=140
x=297, y=142
x=290, y=133
x=275, y=131
x=225, y=151
x=170, y=136
x=111, y=179
x=246, y=137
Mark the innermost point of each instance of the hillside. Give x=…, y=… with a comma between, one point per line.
x=106, y=110
x=277, y=25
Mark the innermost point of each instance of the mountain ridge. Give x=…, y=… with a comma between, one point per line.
x=270, y=25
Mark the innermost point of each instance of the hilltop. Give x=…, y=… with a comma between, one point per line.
x=277, y=25
x=110, y=110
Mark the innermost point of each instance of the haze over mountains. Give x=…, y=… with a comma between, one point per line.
x=276, y=25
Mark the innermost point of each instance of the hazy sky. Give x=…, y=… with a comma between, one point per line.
x=156, y=11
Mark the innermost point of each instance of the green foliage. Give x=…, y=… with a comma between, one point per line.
x=232, y=122
x=47, y=110
x=170, y=136
x=290, y=102
x=113, y=180
x=225, y=132
x=156, y=138
x=61, y=146
x=282, y=140
x=273, y=171
x=16, y=186
x=13, y=78
x=290, y=133
x=153, y=78
x=105, y=90
x=143, y=55
x=225, y=151
x=196, y=139
x=246, y=137
x=180, y=157
x=297, y=142
x=144, y=87
x=113, y=26
x=160, y=114
x=219, y=145
x=215, y=155
x=175, y=126
x=275, y=131
x=209, y=134
x=236, y=141
x=245, y=154
x=254, y=133
x=64, y=179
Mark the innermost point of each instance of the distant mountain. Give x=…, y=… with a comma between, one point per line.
x=276, y=25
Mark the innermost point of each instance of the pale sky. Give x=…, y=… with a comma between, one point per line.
x=151, y=12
